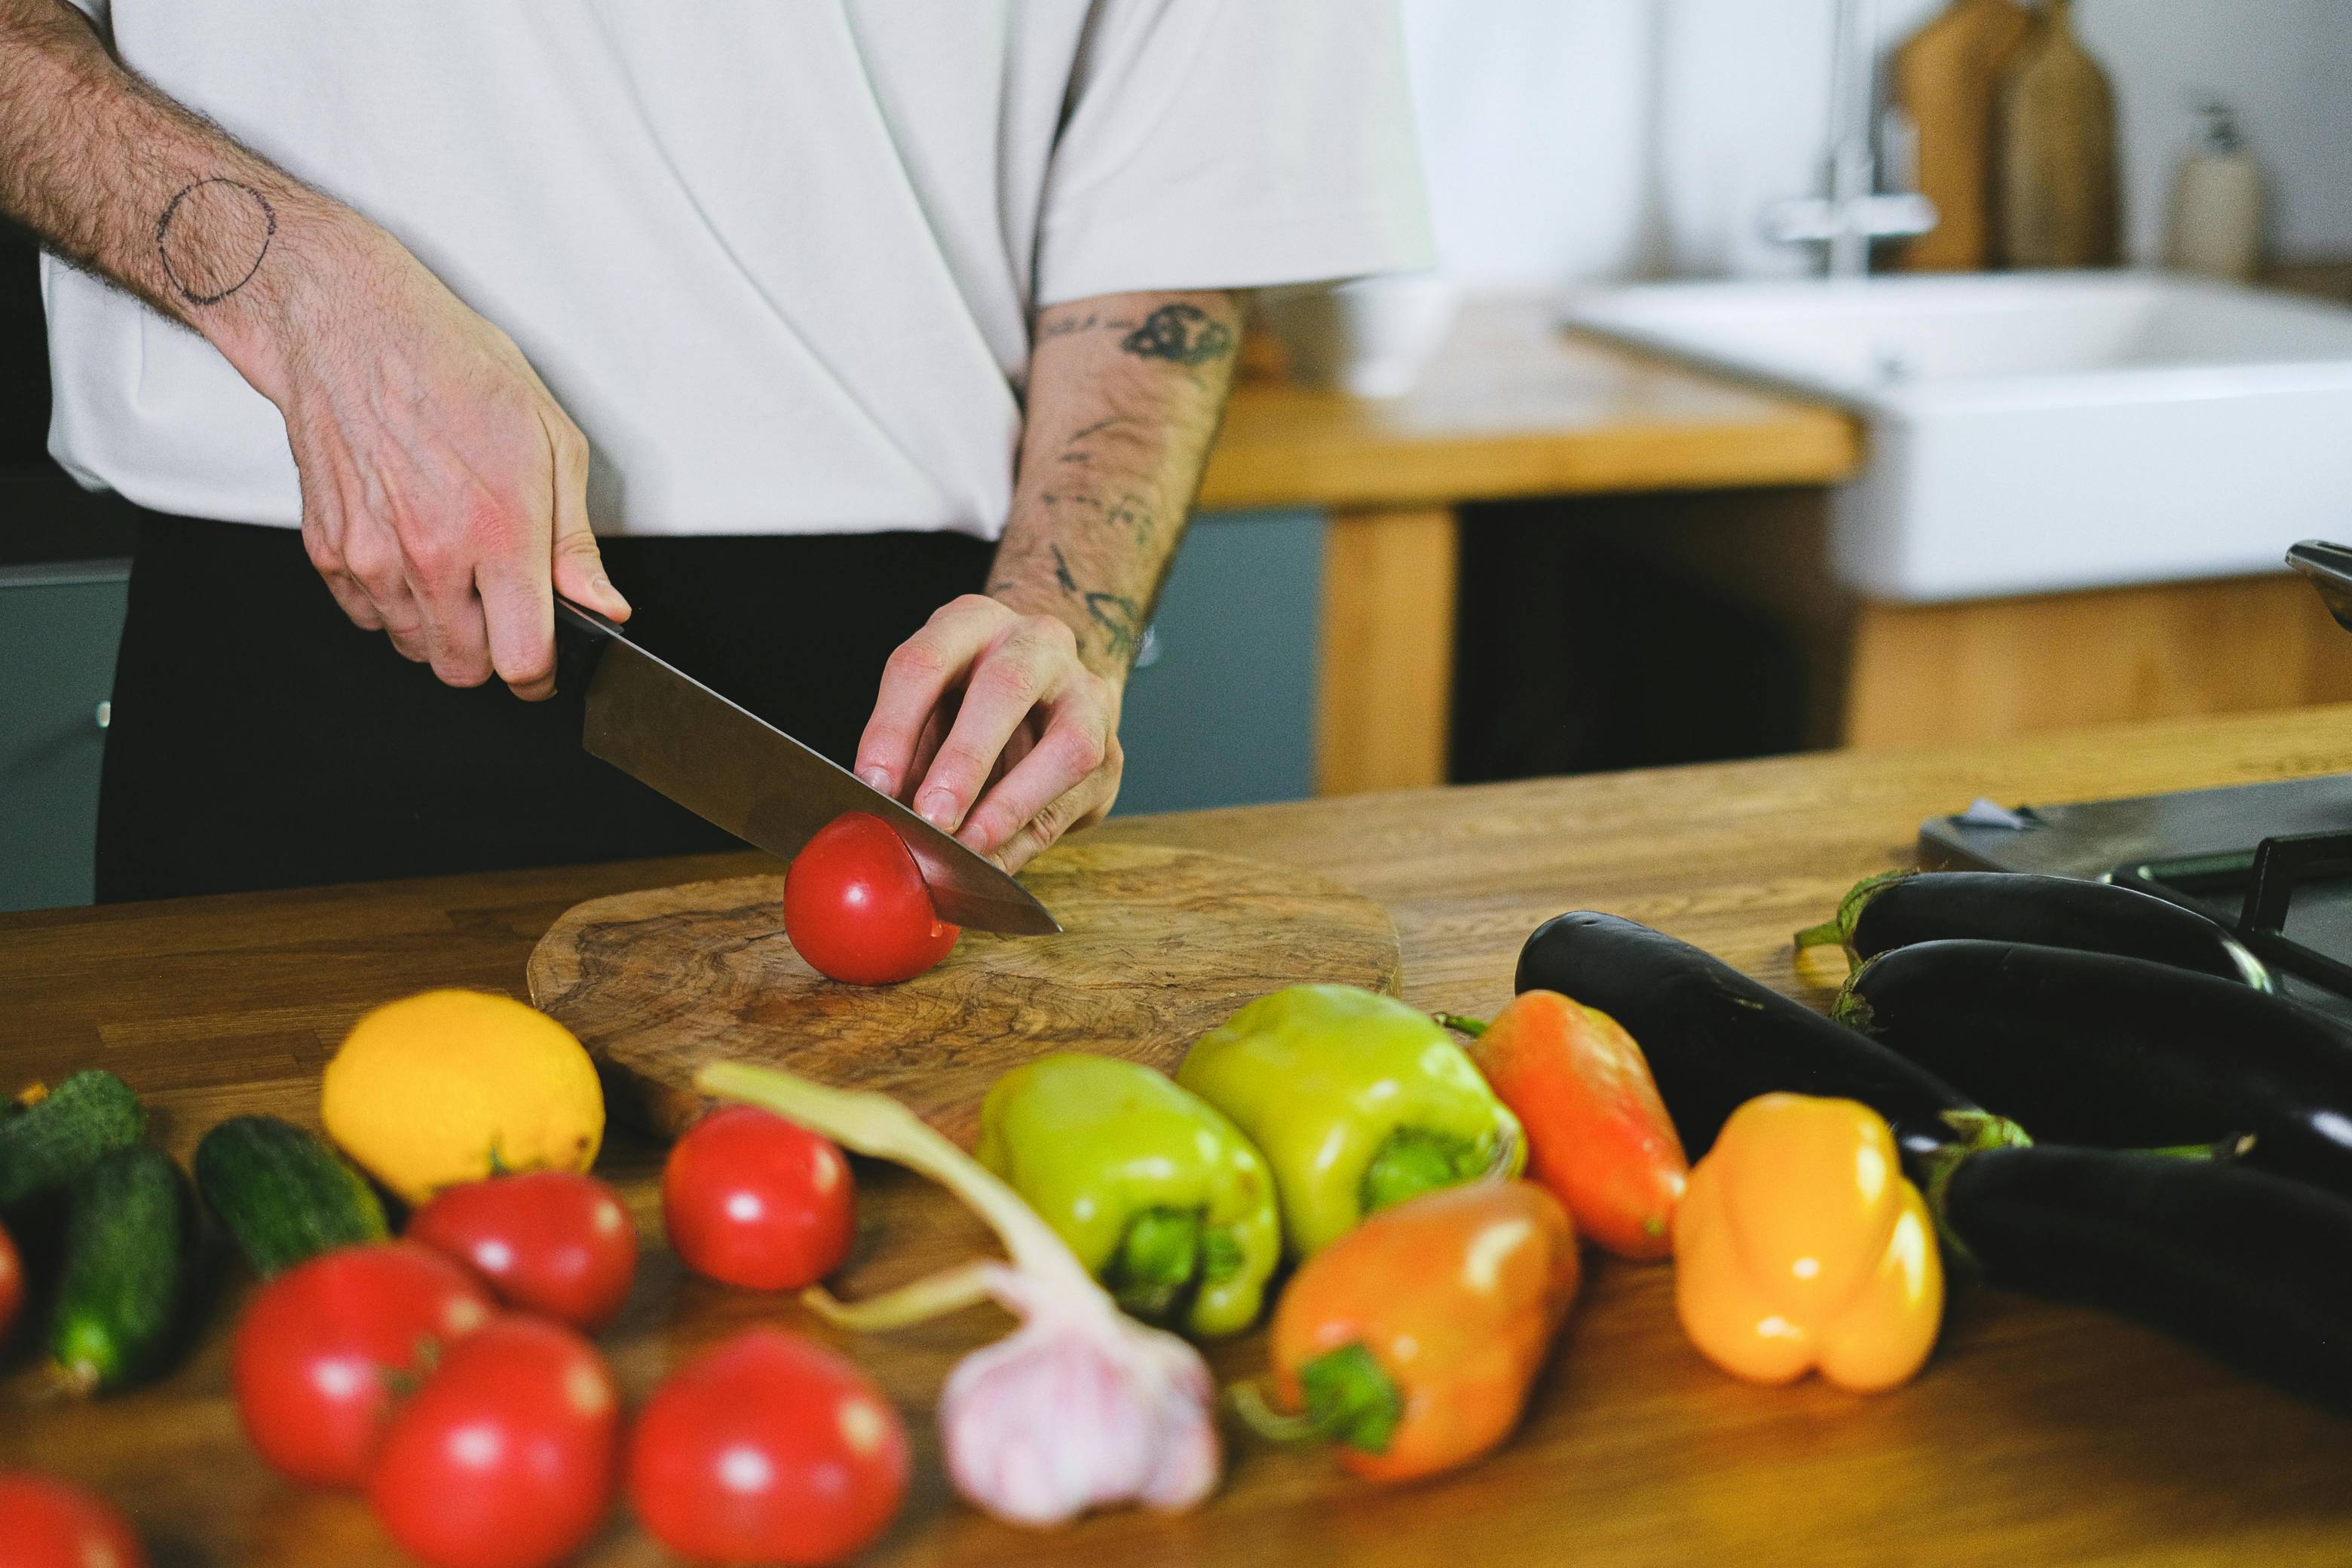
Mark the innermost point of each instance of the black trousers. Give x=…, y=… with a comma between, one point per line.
x=259, y=739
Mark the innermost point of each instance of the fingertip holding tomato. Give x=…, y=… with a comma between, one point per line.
x=768, y=1448
x=508, y=1455
x=752, y=1199
x=856, y=906
x=556, y=1242
x=49, y=1522
x=320, y=1352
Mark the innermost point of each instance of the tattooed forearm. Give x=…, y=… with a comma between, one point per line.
x=1185, y=333
x=118, y=179
x=1123, y=397
x=208, y=229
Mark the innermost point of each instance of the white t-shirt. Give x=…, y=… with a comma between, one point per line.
x=779, y=259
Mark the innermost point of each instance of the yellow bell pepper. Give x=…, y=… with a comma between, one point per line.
x=1799, y=1246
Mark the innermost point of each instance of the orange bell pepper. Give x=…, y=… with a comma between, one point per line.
x=1597, y=1135
x=1800, y=1245
x=1411, y=1340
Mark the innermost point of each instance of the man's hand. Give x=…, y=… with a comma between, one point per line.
x=998, y=729
x=999, y=721
x=443, y=493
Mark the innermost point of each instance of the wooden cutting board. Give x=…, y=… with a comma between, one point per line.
x=1944, y=79
x=1158, y=947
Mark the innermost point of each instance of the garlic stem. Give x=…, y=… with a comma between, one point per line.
x=934, y=1295
x=876, y=1124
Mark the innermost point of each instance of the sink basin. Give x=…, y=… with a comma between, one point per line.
x=2029, y=431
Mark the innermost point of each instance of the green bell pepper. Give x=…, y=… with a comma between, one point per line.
x=1357, y=1101
x=1162, y=1199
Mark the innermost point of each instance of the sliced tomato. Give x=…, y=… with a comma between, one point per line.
x=856, y=906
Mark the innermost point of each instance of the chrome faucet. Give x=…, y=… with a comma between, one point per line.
x=1854, y=212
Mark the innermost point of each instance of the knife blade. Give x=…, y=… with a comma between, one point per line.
x=2329, y=567
x=736, y=771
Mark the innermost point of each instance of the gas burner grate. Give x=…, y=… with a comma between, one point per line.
x=2289, y=900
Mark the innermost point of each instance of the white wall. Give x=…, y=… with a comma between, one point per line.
x=1574, y=139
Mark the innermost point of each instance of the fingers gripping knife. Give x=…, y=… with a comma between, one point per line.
x=737, y=772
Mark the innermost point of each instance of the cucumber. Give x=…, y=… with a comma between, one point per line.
x=49, y=1142
x=126, y=1254
x=283, y=1194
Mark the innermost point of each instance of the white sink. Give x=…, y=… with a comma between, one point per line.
x=2037, y=431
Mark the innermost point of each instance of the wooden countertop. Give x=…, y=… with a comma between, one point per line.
x=2037, y=1434
x=1515, y=406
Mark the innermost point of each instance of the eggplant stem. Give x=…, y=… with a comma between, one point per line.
x=876, y=1124
x=1828, y=933
x=2222, y=1150
x=934, y=1295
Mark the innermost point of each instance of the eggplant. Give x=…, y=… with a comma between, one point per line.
x=2087, y=1048
x=2253, y=1269
x=1896, y=909
x=1716, y=1039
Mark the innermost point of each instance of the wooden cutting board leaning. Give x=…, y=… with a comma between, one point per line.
x=2055, y=201
x=1944, y=79
x=1158, y=946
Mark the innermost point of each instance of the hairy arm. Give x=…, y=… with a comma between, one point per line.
x=443, y=491
x=1000, y=720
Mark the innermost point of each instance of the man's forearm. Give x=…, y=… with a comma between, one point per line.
x=1125, y=393
x=121, y=181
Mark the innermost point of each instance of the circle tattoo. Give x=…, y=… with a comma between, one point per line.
x=222, y=199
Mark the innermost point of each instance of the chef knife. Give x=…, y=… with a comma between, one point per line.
x=737, y=771
x=2329, y=567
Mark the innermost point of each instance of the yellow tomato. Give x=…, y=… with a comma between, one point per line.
x=1799, y=1246
x=454, y=1085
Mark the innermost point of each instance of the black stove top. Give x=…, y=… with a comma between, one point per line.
x=2271, y=862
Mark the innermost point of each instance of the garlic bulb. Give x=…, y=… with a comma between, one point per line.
x=1081, y=1406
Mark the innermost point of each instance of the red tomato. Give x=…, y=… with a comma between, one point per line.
x=507, y=1456
x=752, y=1199
x=856, y=907
x=322, y=1351
x=769, y=1449
x=548, y=1241
x=46, y=1523
x=12, y=1283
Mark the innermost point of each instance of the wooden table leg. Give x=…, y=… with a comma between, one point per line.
x=1384, y=685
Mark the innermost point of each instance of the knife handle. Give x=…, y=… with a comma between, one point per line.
x=581, y=635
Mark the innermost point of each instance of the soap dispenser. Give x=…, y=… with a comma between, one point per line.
x=2216, y=223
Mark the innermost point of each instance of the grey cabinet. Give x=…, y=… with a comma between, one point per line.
x=1221, y=712
x=58, y=628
